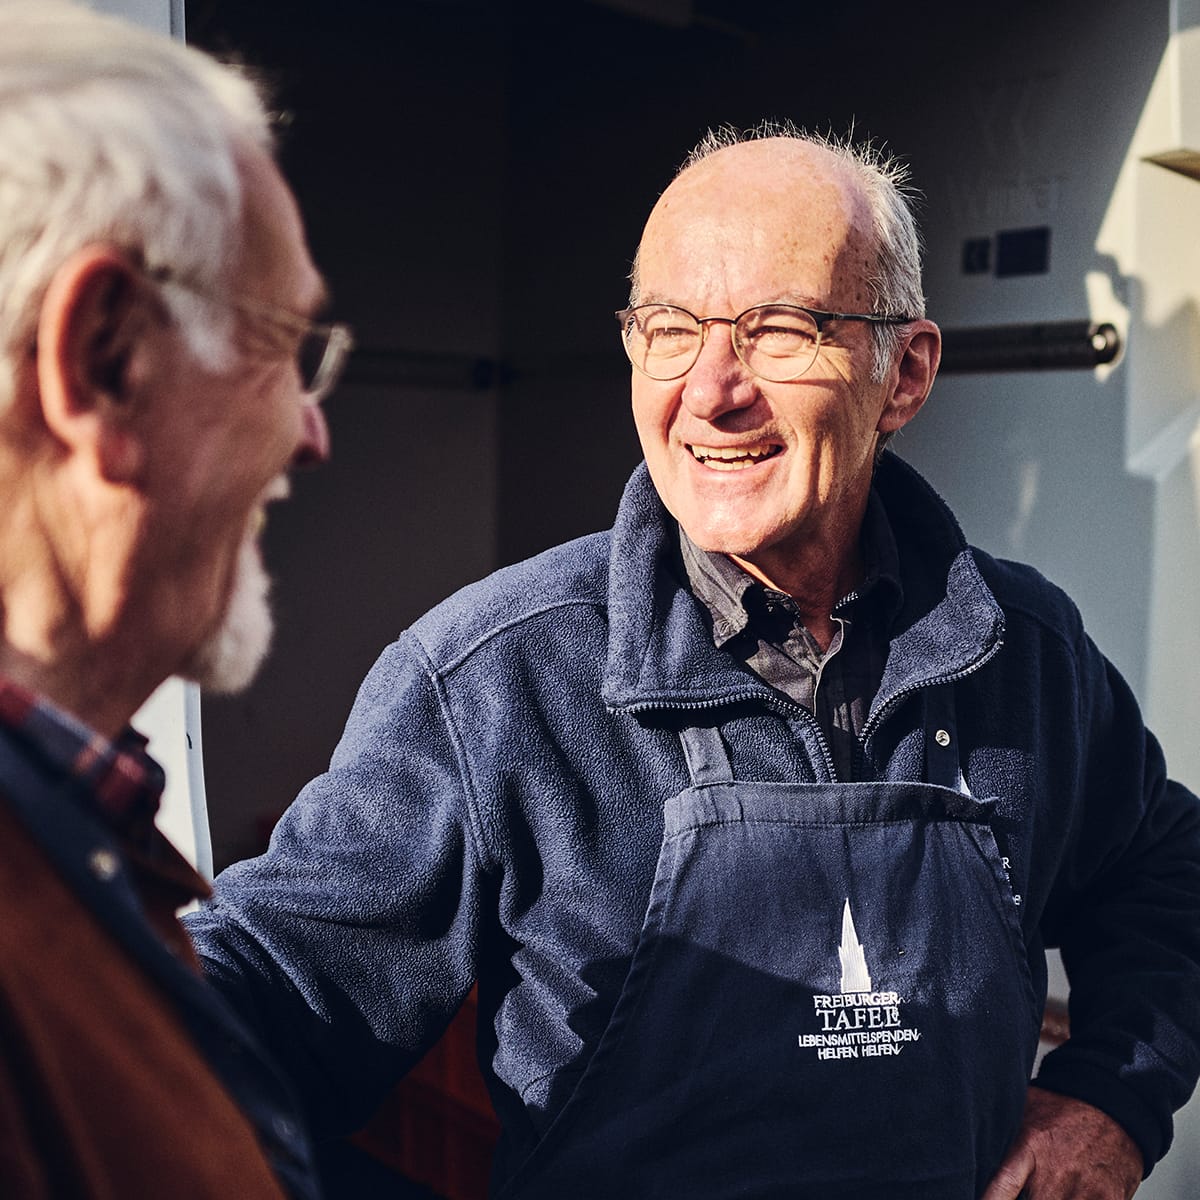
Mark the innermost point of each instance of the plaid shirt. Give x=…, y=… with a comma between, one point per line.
x=764, y=629
x=121, y=782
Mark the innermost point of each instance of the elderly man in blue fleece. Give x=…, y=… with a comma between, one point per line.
x=753, y=816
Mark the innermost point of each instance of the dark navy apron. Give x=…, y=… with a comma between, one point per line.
x=830, y=998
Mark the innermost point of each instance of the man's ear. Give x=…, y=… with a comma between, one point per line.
x=913, y=377
x=91, y=331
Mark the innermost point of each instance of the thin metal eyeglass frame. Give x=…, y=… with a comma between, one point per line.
x=337, y=339
x=819, y=318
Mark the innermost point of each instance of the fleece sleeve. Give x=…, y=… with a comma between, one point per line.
x=1126, y=912
x=351, y=942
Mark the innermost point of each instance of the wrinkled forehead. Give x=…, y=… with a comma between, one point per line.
x=767, y=219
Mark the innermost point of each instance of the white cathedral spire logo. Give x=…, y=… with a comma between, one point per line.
x=855, y=976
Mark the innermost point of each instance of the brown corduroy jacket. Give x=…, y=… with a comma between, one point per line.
x=103, y=1093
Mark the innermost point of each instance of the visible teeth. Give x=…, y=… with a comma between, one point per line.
x=278, y=489
x=732, y=458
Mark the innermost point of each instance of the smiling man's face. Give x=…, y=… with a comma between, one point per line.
x=236, y=429
x=770, y=473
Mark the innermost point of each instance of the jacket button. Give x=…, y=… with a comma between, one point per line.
x=942, y=738
x=104, y=864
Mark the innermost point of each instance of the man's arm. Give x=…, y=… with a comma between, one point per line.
x=1126, y=913
x=350, y=944
x=1125, y=909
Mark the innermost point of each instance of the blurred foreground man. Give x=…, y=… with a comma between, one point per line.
x=155, y=302
x=752, y=816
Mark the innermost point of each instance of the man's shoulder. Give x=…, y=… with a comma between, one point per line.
x=929, y=535
x=1023, y=592
x=572, y=577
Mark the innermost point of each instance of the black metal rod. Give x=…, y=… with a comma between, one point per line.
x=407, y=369
x=1047, y=346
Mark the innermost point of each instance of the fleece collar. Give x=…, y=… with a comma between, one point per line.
x=661, y=655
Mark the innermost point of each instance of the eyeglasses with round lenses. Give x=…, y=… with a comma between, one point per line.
x=778, y=342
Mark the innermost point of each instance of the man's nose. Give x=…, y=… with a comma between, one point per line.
x=313, y=448
x=719, y=381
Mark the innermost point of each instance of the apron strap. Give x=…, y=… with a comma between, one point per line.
x=707, y=758
x=941, y=739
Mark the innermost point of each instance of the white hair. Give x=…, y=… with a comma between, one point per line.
x=894, y=283
x=227, y=661
x=110, y=133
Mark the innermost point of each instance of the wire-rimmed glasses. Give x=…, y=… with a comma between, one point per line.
x=778, y=342
x=320, y=350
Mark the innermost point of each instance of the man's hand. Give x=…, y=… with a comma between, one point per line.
x=1067, y=1150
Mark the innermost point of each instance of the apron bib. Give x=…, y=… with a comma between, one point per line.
x=830, y=997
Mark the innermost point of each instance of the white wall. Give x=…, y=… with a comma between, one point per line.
x=1093, y=476
x=1086, y=474
x=165, y=16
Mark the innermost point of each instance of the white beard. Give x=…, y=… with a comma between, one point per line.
x=229, y=658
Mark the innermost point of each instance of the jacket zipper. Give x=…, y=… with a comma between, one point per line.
x=771, y=700
x=937, y=681
x=786, y=708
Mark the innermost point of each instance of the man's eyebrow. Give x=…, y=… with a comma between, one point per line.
x=799, y=300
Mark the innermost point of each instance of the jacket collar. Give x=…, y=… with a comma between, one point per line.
x=661, y=655
x=950, y=624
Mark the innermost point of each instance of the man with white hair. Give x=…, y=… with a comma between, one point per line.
x=752, y=816
x=160, y=373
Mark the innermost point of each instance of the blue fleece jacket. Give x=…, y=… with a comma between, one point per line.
x=494, y=812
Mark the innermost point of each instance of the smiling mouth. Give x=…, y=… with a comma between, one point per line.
x=278, y=489
x=734, y=458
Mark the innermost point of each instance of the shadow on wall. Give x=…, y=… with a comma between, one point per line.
x=362, y=548
x=475, y=176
